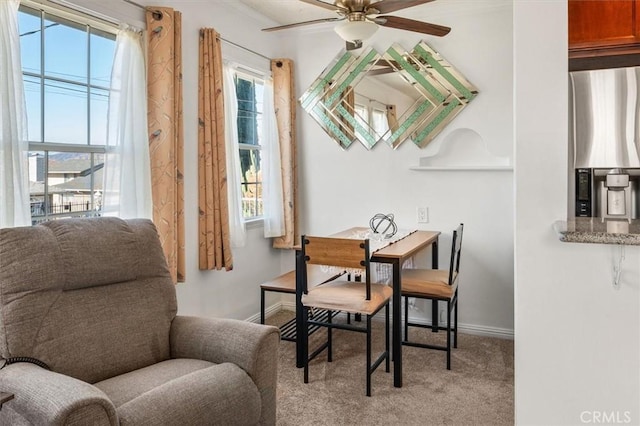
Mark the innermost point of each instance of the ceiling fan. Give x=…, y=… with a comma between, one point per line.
x=359, y=19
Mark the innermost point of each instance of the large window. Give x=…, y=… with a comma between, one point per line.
x=66, y=66
x=249, y=91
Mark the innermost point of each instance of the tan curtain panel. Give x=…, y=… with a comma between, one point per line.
x=285, y=107
x=164, y=86
x=213, y=226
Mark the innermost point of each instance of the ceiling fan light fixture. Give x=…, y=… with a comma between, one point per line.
x=355, y=30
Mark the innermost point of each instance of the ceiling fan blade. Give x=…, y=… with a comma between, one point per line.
x=299, y=24
x=329, y=6
x=389, y=6
x=411, y=25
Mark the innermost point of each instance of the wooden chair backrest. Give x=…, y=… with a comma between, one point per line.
x=342, y=252
x=338, y=252
x=456, y=250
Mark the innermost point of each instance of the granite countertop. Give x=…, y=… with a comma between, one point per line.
x=594, y=230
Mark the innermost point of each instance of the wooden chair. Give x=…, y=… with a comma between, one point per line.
x=435, y=285
x=364, y=298
x=286, y=283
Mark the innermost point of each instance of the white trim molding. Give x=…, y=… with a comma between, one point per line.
x=474, y=329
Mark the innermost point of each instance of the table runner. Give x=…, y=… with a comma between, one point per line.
x=383, y=272
x=377, y=241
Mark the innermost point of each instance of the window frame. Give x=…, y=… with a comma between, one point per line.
x=253, y=77
x=91, y=26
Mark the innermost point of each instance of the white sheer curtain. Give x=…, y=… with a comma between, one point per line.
x=271, y=167
x=237, y=231
x=127, y=170
x=14, y=148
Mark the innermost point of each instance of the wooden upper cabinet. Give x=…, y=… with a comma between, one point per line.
x=604, y=32
x=603, y=23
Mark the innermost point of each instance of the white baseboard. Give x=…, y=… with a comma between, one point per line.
x=288, y=306
x=268, y=311
x=478, y=330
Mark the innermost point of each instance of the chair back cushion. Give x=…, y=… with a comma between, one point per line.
x=91, y=297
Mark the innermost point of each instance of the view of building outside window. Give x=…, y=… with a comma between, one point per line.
x=249, y=91
x=66, y=67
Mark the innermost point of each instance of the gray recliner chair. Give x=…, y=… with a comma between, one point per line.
x=91, y=306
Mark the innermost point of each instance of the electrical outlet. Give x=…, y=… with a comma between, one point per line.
x=422, y=214
x=443, y=314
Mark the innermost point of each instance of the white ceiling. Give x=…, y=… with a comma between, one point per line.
x=288, y=11
x=282, y=12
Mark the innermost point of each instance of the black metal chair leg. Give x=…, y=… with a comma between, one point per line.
x=305, y=342
x=406, y=319
x=455, y=322
x=329, y=337
x=368, y=355
x=434, y=316
x=386, y=337
x=448, y=335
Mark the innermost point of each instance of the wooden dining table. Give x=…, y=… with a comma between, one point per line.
x=395, y=254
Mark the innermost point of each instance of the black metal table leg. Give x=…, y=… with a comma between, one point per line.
x=434, y=303
x=434, y=255
x=261, y=306
x=397, y=326
x=299, y=319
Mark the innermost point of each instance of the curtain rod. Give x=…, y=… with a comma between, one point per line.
x=221, y=38
x=245, y=48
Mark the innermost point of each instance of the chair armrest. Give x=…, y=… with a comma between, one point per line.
x=44, y=397
x=252, y=347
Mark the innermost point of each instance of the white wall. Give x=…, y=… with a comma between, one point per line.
x=340, y=189
x=577, y=338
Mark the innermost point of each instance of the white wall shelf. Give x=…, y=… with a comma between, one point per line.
x=463, y=150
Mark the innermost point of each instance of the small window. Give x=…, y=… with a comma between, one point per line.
x=66, y=68
x=249, y=91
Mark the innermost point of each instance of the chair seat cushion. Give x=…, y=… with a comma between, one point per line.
x=348, y=296
x=428, y=283
x=206, y=392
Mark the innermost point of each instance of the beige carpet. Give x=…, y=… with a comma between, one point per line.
x=478, y=390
